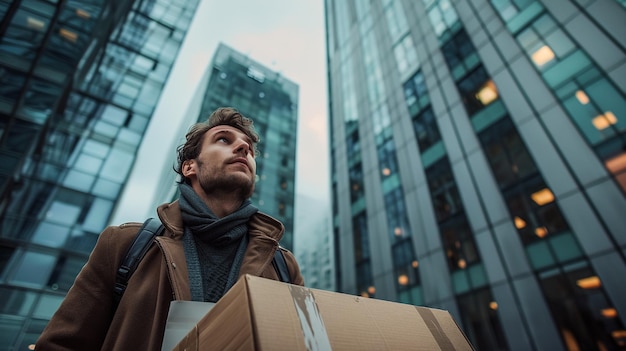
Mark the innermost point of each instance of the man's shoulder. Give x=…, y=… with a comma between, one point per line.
x=123, y=232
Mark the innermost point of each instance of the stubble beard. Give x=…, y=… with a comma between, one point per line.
x=221, y=182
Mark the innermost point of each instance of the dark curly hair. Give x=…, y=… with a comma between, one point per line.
x=195, y=136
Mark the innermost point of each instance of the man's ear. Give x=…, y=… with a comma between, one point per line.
x=189, y=168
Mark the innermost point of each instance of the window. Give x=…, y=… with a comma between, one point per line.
x=458, y=243
x=443, y=190
x=460, y=54
x=397, y=222
x=406, y=56
x=406, y=272
x=479, y=317
x=416, y=94
x=396, y=20
x=477, y=90
x=426, y=130
x=533, y=210
x=506, y=153
x=442, y=15
x=583, y=313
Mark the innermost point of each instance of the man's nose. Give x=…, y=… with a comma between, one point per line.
x=243, y=146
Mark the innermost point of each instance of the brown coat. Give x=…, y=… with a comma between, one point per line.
x=85, y=319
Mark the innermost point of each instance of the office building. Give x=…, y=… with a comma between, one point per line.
x=478, y=155
x=271, y=101
x=79, y=82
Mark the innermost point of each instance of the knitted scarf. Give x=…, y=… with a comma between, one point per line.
x=214, y=247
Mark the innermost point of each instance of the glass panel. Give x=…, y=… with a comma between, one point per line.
x=52, y=235
x=539, y=255
x=477, y=275
x=117, y=165
x=63, y=213
x=106, y=189
x=16, y=301
x=48, y=304
x=580, y=308
x=460, y=282
x=78, y=181
x=9, y=331
x=98, y=215
x=65, y=272
x=565, y=247
x=33, y=268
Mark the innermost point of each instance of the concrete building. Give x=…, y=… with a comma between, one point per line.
x=479, y=164
x=79, y=82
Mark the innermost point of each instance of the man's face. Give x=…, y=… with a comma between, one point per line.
x=225, y=164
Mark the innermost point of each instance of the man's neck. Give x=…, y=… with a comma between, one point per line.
x=221, y=204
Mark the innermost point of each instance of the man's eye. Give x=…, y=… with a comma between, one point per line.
x=222, y=139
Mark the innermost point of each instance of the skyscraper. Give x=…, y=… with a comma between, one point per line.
x=479, y=164
x=271, y=101
x=79, y=83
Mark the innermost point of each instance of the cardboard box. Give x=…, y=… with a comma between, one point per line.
x=263, y=314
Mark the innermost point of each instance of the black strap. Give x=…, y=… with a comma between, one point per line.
x=151, y=228
x=280, y=265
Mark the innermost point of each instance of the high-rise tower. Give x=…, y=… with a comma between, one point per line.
x=79, y=83
x=479, y=164
x=271, y=101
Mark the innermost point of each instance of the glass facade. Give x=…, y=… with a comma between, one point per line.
x=271, y=101
x=79, y=83
x=477, y=159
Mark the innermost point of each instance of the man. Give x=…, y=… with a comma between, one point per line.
x=213, y=235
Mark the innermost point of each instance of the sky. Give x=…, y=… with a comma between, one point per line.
x=284, y=35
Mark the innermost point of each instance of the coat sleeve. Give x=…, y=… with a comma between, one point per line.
x=83, y=318
x=294, y=268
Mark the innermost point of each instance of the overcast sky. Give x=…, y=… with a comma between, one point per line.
x=284, y=35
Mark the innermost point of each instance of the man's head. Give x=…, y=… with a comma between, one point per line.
x=215, y=143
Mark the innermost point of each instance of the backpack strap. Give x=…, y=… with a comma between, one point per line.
x=280, y=265
x=137, y=250
x=152, y=227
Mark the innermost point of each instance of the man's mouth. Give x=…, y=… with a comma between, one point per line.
x=240, y=160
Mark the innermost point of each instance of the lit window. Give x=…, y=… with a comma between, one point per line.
x=592, y=282
x=83, y=14
x=541, y=231
x=68, y=34
x=371, y=290
x=582, y=97
x=386, y=171
x=34, y=23
x=462, y=264
x=403, y=279
x=617, y=163
x=604, y=121
x=609, y=312
x=415, y=264
x=493, y=305
x=397, y=231
x=488, y=93
x=542, y=197
x=519, y=223
x=543, y=55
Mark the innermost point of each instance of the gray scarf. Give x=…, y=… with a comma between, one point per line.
x=214, y=247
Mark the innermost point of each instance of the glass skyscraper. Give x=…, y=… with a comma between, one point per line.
x=478, y=155
x=271, y=101
x=79, y=81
